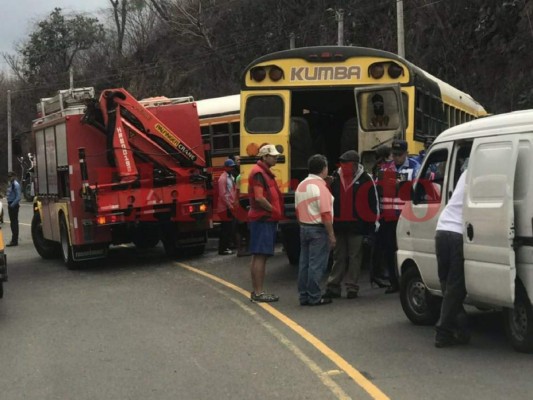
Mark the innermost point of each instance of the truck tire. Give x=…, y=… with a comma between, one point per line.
x=169, y=244
x=146, y=236
x=1, y=290
x=519, y=321
x=421, y=307
x=66, y=248
x=195, y=251
x=47, y=249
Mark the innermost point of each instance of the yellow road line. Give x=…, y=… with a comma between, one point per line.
x=340, y=362
x=323, y=376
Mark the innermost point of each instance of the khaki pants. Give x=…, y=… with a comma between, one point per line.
x=347, y=257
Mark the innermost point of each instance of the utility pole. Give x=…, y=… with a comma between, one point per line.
x=292, y=38
x=339, y=16
x=9, y=136
x=399, y=20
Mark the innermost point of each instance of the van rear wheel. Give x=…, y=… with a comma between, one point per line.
x=519, y=321
x=421, y=307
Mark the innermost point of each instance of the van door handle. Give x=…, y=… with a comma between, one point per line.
x=470, y=231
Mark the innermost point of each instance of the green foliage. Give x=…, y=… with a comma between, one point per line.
x=53, y=46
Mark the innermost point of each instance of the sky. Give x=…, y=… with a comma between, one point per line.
x=20, y=16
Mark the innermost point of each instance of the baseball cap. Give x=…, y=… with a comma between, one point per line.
x=229, y=163
x=268, y=149
x=350, y=155
x=399, y=146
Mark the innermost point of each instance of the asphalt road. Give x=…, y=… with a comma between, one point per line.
x=140, y=326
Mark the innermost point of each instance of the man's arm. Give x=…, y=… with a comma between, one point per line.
x=328, y=224
x=18, y=194
x=259, y=193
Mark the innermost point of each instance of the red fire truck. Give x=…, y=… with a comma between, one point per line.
x=117, y=170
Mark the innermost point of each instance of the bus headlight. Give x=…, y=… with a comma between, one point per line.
x=275, y=73
x=376, y=70
x=258, y=74
x=395, y=71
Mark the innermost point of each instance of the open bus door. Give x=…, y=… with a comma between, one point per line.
x=380, y=120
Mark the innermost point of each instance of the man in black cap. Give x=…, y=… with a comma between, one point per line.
x=355, y=211
x=402, y=168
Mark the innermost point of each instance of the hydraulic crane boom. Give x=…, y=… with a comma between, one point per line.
x=131, y=127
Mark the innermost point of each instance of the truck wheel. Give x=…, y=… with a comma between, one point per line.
x=519, y=321
x=66, y=248
x=1, y=290
x=418, y=304
x=146, y=242
x=169, y=244
x=46, y=248
x=146, y=236
x=195, y=251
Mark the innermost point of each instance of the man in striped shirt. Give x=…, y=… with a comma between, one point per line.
x=314, y=210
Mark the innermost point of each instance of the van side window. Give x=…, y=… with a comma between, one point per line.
x=461, y=160
x=429, y=186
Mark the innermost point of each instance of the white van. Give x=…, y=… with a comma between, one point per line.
x=498, y=222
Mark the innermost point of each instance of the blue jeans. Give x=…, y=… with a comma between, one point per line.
x=314, y=255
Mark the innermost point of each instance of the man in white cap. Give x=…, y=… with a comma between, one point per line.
x=265, y=210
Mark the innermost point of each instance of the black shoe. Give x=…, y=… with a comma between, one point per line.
x=446, y=341
x=378, y=282
x=331, y=294
x=323, y=301
x=352, y=294
x=392, y=289
x=11, y=244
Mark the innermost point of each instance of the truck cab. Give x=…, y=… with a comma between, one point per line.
x=497, y=153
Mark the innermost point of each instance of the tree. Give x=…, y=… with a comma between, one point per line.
x=52, y=48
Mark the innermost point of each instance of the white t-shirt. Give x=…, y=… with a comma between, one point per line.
x=451, y=218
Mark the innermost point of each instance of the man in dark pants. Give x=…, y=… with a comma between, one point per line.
x=13, y=196
x=392, y=175
x=452, y=325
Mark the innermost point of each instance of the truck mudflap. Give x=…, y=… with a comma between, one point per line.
x=89, y=252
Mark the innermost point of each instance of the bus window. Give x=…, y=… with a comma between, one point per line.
x=379, y=110
x=235, y=136
x=264, y=114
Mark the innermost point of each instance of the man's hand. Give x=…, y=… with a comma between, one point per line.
x=332, y=241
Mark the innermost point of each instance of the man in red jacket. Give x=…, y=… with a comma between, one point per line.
x=265, y=211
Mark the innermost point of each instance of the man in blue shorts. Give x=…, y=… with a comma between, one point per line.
x=265, y=211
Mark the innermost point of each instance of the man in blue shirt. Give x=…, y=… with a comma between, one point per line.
x=13, y=204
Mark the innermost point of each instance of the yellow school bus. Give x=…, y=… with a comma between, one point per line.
x=331, y=99
x=219, y=123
